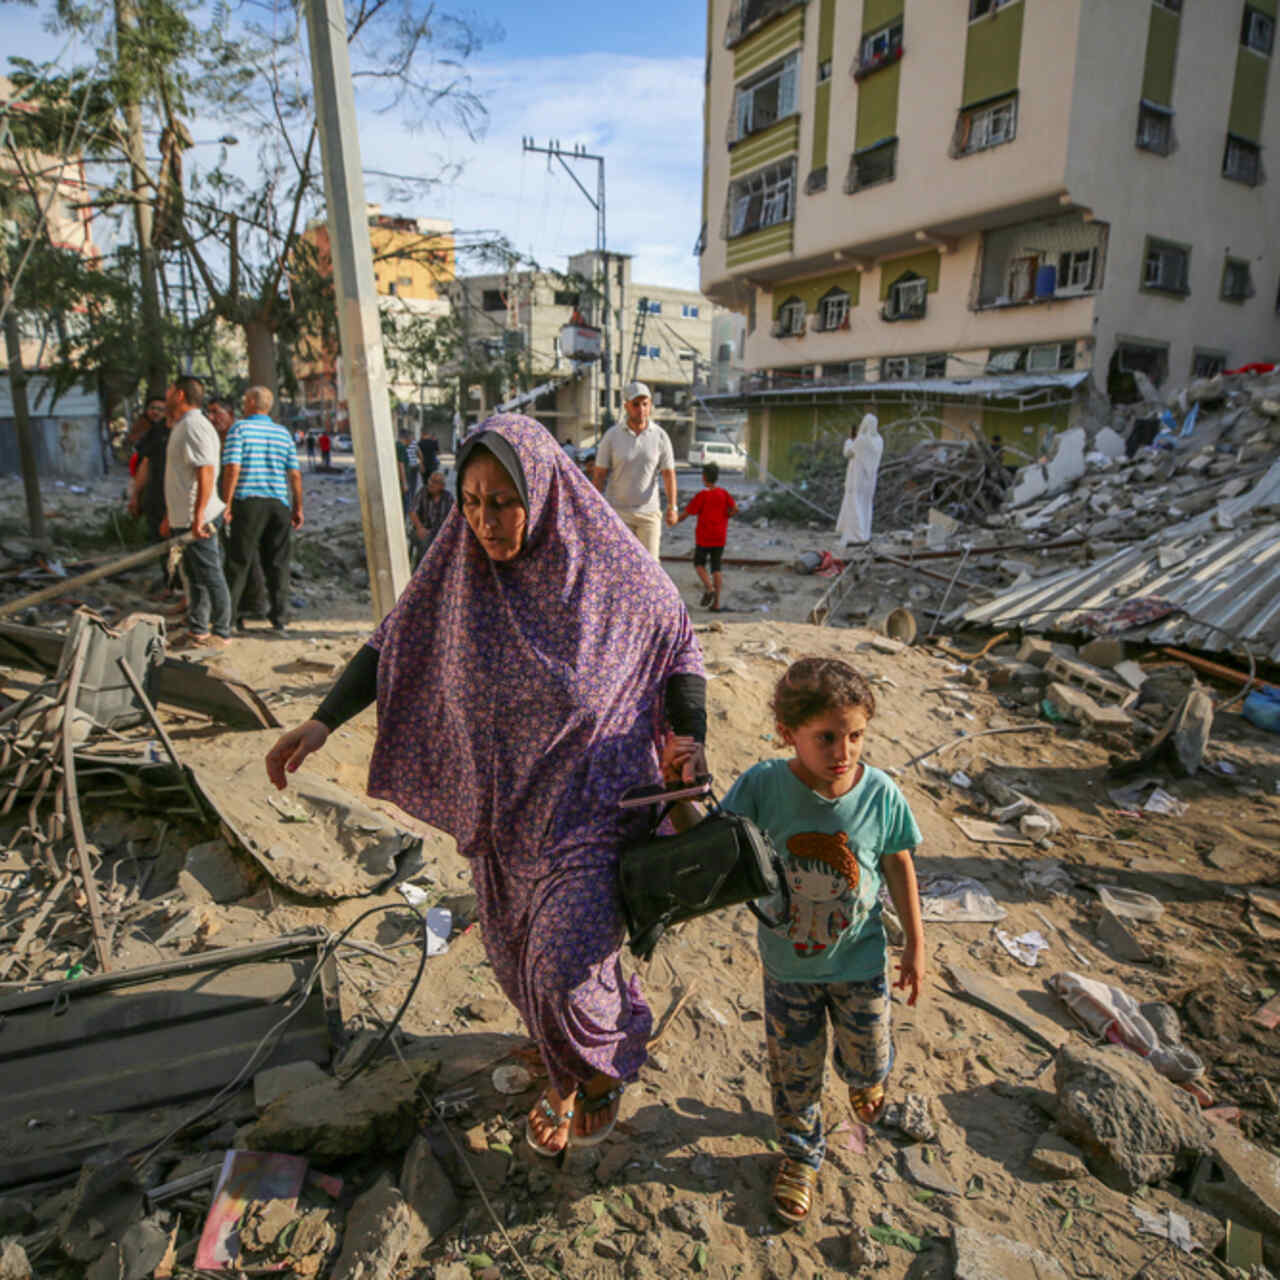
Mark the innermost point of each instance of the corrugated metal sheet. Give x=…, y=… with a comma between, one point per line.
x=1228, y=579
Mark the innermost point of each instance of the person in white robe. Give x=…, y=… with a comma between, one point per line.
x=864, y=450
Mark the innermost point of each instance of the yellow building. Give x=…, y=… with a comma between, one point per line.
x=978, y=210
x=413, y=266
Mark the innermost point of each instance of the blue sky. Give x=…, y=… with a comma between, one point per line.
x=626, y=80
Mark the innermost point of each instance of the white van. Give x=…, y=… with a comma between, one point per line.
x=727, y=456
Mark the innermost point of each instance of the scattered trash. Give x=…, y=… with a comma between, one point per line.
x=957, y=900
x=1026, y=947
x=1169, y=1226
x=961, y=779
x=1129, y=904
x=511, y=1078
x=1045, y=877
x=1268, y=1015
x=246, y=1176
x=1112, y=1014
x=982, y=832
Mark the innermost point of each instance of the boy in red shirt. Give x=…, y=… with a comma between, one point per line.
x=713, y=506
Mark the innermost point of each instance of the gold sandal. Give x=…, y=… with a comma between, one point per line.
x=793, y=1189
x=868, y=1103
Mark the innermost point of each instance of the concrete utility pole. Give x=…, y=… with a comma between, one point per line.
x=602, y=251
x=359, y=331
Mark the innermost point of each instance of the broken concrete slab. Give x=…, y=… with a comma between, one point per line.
x=136, y=1255
x=1099, y=684
x=427, y=1190
x=106, y=1201
x=1117, y=939
x=212, y=873
x=1241, y=1182
x=14, y=1264
x=1057, y=1158
x=1103, y=651
x=984, y=1255
x=376, y=1111
x=288, y=1077
x=925, y=1173
x=1133, y=1125
x=317, y=839
x=1109, y=443
x=380, y=1231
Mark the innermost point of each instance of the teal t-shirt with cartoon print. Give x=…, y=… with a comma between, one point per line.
x=830, y=851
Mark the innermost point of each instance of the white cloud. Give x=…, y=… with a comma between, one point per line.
x=644, y=115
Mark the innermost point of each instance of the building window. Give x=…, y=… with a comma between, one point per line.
x=816, y=181
x=872, y=166
x=907, y=298
x=689, y=311
x=1155, y=128
x=849, y=371
x=1174, y=6
x=767, y=99
x=1242, y=161
x=1075, y=271
x=895, y=368
x=879, y=49
x=1237, y=282
x=1259, y=30
x=1142, y=357
x=763, y=199
x=790, y=322
x=653, y=353
x=492, y=300
x=566, y=298
x=981, y=8
x=833, y=310
x=1046, y=357
x=1166, y=268
x=824, y=71
x=1207, y=364
x=983, y=127
x=655, y=308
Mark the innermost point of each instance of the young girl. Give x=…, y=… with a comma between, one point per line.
x=840, y=827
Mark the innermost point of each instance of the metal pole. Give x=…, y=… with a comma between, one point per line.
x=359, y=332
x=602, y=243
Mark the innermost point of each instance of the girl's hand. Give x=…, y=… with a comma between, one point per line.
x=292, y=749
x=683, y=759
x=911, y=971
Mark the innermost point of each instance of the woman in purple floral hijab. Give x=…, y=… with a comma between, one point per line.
x=525, y=679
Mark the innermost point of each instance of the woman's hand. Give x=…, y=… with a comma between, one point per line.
x=292, y=749
x=683, y=759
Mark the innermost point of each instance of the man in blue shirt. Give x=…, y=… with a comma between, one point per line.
x=262, y=487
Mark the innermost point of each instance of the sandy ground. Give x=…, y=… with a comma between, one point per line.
x=684, y=1186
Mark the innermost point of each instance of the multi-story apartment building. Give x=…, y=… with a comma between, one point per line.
x=413, y=267
x=983, y=209
x=669, y=344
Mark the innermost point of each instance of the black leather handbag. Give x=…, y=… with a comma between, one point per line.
x=722, y=861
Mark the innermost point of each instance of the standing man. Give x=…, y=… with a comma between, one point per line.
x=146, y=497
x=406, y=465
x=262, y=484
x=192, y=505
x=428, y=455
x=632, y=456
x=325, y=446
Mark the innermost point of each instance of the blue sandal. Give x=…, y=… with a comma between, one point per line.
x=591, y=1106
x=557, y=1122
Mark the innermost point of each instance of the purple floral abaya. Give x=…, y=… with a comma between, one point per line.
x=516, y=702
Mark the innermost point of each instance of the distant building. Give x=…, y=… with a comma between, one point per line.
x=413, y=266
x=983, y=210
x=669, y=345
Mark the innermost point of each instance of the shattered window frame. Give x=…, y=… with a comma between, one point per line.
x=872, y=166
x=1155, y=128
x=1166, y=268
x=1258, y=31
x=492, y=300
x=1242, y=161
x=985, y=8
x=879, y=48
x=986, y=125
x=782, y=76
x=1207, y=364
x=1237, y=280
x=833, y=310
x=908, y=298
x=762, y=199
x=790, y=319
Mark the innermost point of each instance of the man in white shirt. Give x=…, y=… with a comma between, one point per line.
x=192, y=505
x=633, y=455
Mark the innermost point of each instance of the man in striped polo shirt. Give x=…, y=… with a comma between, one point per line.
x=262, y=487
